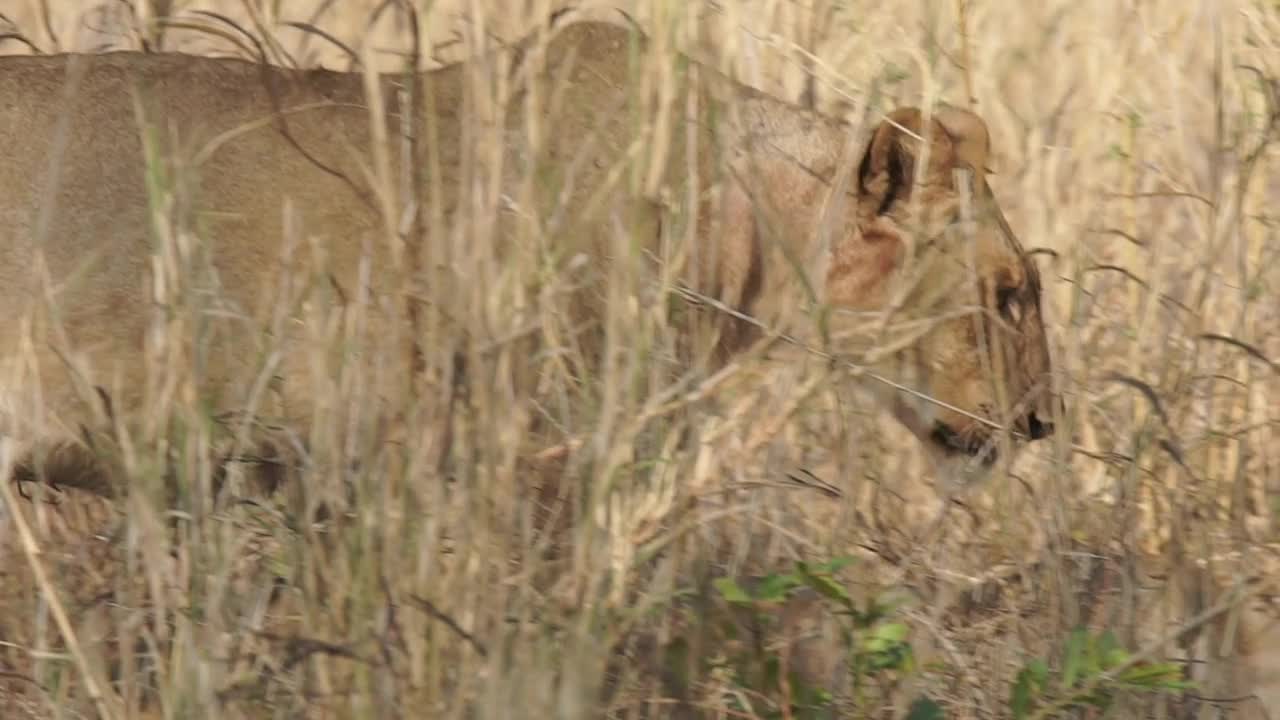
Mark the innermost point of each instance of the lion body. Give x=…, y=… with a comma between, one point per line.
x=765, y=206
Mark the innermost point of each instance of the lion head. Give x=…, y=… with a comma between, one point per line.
x=933, y=253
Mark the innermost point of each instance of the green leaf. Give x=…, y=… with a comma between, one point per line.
x=810, y=697
x=774, y=588
x=875, y=612
x=731, y=591
x=1167, y=686
x=1107, y=643
x=887, y=635
x=1022, y=698
x=1074, y=657
x=676, y=662
x=1100, y=699
x=1114, y=658
x=824, y=585
x=1092, y=658
x=1039, y=673
x=830, y=589
x=1151, y=674
x=772, y=673
x=925, y=709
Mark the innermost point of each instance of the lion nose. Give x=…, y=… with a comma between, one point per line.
x=1038, y=429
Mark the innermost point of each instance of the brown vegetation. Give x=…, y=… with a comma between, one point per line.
x=534, y=524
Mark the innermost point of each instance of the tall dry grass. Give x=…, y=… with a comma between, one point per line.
x=1133, y=155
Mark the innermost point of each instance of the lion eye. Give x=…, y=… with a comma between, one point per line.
x=1008, y=304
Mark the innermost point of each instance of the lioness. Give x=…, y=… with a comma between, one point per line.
x=784, y=215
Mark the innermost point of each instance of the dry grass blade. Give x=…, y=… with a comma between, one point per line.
x=387, y=435
x=351, y=54
x=105, y=701
x=1250, y=349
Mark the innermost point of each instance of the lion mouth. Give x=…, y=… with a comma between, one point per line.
x=967, y=444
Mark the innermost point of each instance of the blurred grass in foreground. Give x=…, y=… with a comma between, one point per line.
x=1134, y=153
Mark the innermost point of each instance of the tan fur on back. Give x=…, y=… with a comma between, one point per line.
x=782, y=201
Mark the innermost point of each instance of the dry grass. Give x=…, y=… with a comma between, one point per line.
x=1132, y=150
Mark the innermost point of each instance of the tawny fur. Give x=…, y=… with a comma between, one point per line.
x=777, y=196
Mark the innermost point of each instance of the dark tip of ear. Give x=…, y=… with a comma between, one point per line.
x=864, y=168
x=899, y=164
x=887, y=156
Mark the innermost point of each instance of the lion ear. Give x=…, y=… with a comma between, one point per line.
x=886, y=172
x=959, y=138
x=971, y=140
